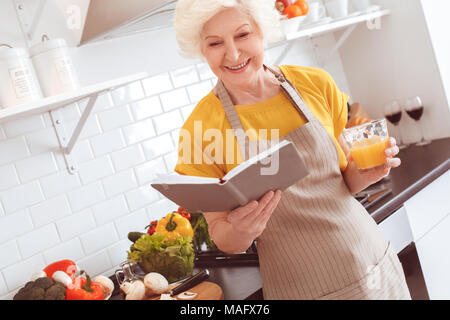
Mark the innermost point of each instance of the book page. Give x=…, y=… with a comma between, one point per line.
x=182, y=179
x=244, y=165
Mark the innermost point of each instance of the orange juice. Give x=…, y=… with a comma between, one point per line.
x=369, y=152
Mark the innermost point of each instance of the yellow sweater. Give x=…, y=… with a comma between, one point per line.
x=319, y=92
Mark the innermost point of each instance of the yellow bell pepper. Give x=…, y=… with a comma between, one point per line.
x=174, y=225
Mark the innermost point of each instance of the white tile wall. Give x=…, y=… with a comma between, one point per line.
x=25, y=125
x=38, y=240
x=10, y=253
x=168, y=121
x=14, y=225
x=174, y=99
x=139, y=131
x=157, y=84
x=127, y=158
x=120, y=183
x=47, y=214
x=9, y=177
x=50, y=210
x=21, y=197
x=13, y=149
x=146, y=108
x=184, y=76
x=35, y=167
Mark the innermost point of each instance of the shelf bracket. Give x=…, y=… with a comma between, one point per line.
x=338, y=44
x=283, y=54
x=28, y=21
x=65, y=142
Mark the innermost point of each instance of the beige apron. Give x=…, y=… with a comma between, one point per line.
x=320, y=243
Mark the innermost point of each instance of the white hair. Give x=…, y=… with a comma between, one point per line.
x=191, y=15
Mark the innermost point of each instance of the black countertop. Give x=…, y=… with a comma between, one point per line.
x=420, y=166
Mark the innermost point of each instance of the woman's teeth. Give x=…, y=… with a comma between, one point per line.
x=239, y=66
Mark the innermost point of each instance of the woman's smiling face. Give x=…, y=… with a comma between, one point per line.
x=232, y=45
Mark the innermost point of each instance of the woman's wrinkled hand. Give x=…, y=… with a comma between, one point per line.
x=391, y=151
x=376, y=174
x=252, y=218
x=358, y=180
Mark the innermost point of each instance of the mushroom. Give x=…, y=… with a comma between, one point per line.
x=166, y=296
x=136, y=291
x=187, y=295
x=125, y=287
x=62, y=277
x=106, y=284
x=156, y=283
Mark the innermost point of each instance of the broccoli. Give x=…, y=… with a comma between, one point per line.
x=55, y=292
x=41, y=289
x=43, y=283
x=36, y=293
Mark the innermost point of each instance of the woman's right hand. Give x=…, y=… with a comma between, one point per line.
x=252, y=218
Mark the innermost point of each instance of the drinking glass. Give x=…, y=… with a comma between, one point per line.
x=414, y=109
x=393, y=113
x=367, y=143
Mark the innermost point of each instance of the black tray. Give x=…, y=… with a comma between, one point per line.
x=216, y=258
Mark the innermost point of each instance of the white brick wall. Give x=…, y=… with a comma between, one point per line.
x=47, y=214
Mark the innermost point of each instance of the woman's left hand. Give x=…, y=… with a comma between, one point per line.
x=378, y=173
x=357, y=180
x=391, y=151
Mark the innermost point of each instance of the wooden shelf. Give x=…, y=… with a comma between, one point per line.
x=65, y=99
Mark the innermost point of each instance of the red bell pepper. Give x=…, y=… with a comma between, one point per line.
x=67, y=266
x=84, y=289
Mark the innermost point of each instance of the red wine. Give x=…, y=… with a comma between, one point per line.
x=415, y=113
x=394, y=118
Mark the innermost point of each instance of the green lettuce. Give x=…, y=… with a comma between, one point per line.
x=173, y=259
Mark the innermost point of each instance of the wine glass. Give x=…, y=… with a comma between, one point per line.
x=414, y=109
x=393, y=113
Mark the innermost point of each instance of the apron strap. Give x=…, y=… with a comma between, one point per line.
x=233, y=118
x=288, y=88
x=293, y=95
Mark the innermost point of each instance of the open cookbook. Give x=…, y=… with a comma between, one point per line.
x=278, y=167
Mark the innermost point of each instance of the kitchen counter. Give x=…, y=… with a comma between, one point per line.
x=420, y=166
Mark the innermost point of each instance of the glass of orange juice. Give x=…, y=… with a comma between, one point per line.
x=367, y=143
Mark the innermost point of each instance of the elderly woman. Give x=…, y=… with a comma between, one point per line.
x=314, y=240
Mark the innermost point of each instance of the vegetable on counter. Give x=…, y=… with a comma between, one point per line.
x=106, y=284
x=152, y=227
x=155, y=283
x=84, y=289
x=184, y=213
x=201, y=233
x=67, y=266
x=135, y=290
x=41, y=289
x=174, y=259
x=133, y=236
x=173, y=226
